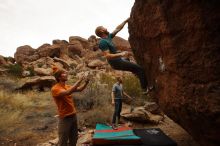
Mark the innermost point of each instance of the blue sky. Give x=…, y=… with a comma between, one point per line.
x=35, y=22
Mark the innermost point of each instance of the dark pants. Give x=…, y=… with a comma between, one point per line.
x=117, y=112
x=125, y=65
x=67, y=131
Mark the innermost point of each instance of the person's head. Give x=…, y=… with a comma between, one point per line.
x=119, y=79
x=60, y=75
x=101, y=31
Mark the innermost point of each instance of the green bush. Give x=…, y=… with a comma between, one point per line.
x=95, y=104
x=39, y=65
x=31, y=70
x=107, y=79
x=132, y=86
x=15, y=70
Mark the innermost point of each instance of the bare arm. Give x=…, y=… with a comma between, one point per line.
x=71, y=89
x=113, y=98
x=108, y=55
x=119, y=27
x=126, y=95
x=82, y=87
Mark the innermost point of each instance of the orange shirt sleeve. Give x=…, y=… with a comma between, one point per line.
x=56, y=91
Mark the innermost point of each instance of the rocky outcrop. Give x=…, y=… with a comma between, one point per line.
x=144, y=114
x=177, y=43
x=67, y=51
x=2, y=61
x=96, y=63
x=38, y=83
x=93, y=41
x=121, y=44
x=47, y=50
x=24, y=54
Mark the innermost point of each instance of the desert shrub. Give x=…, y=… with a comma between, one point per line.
x=108, y=80
x=95, y=95
x=132, y=86
x=39, y=65
x=94, y=104
x=15, y=69
x=131, y=83
x=97, y=115
x=31, y=70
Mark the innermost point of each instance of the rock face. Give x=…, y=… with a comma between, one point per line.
x=150, y=113
x=121, y=44
x=39, y=83
x=2, y=60
x=24, y=53
x=177, y=42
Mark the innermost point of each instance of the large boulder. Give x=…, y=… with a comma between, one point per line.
x=121, y=44
x=43, y=62
x=63, y=62
x=46, y=50
x=38, y=83
x=95, y=63
x=177, y=43
x=77, y=46
x=93, y=42
x=63, y=51
x=24, y=54
x=43, y=71
x=84, y=42
x=141, y=114
x=75, y=49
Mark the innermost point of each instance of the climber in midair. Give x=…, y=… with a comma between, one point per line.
x=117, y=59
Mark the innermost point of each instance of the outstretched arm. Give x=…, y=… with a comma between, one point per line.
x=119, y=27
x=108, y=55
x=70, y=90
x=126, y=95
x=82, y=87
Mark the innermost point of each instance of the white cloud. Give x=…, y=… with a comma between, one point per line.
x=34, y=22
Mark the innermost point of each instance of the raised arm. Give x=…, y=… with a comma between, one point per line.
x=119, y=27
x=82, y=87
x=70, y=90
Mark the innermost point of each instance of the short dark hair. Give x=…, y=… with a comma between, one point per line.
x=57, y=74
x=98, y=31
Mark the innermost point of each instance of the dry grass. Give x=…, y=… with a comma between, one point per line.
x=21, y=114
x=94, y=105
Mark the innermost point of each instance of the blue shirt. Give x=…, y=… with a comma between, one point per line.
x=117, y=89
x=107, y=44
